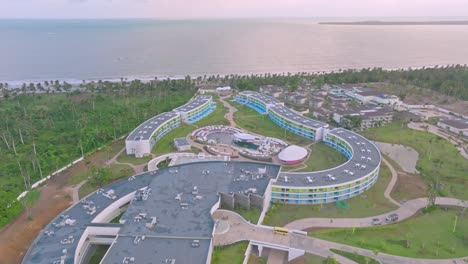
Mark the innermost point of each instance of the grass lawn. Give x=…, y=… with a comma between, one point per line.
x=251, y=215
x=428, y=236
x=232, y=254
x=370, y=203
x=360, y=259
x=166, y=145
x=311, y=259
x=216, y=117
x=254, y=259
x=250, y=120
x=98, y=157
x=109, y=151
x=119, y=171
x=124, y=158
x=98, y=254
x=117, y=218
x=439, y=161
x=322, y=157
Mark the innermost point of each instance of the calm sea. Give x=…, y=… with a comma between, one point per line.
x=34, y=50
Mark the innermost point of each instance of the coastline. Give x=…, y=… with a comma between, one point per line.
x=16, y=84
x=399, y=23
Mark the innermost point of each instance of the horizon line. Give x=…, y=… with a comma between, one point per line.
x=225, y=18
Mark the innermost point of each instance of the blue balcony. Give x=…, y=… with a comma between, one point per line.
x=202, y=114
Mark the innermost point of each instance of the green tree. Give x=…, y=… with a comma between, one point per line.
x=99, y=176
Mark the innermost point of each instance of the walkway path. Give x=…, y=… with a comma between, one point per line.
x=231, y=110
x=240, y=230
x=436, y=131
x=391, y=184
x=136, y=168
x=74, y=190
x=407, y=210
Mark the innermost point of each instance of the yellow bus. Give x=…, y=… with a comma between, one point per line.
x=280, y=230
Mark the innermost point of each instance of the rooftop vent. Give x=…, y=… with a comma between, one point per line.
x=128, y=260
x=195, y=243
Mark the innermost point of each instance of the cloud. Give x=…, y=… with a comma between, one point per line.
x=229, y=8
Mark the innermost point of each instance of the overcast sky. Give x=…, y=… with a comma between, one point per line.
x=180, y=9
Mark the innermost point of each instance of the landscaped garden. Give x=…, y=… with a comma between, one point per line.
x=437, y=234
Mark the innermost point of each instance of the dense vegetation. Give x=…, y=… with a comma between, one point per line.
x=41, y=133
x=448, y=80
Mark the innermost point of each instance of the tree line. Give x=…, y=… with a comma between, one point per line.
x=41, y=133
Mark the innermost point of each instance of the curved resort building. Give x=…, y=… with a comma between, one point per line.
x=166, y=214
x=144, y=137
x=355, y=176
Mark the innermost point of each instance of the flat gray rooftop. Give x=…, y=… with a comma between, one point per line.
x=145, y=130
x=456, y=123
x=289, y=114
x=194, y=218
x=190, y=220
x=180, y=213
x=266, y=99
x=48, y=248
x=158, y=250
x=180, y=142
x=365, y=153
x=194, y=103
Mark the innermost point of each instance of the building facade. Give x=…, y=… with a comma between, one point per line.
x=456, y=126
x=283, y=116
x=141, y=141
x=352, y=178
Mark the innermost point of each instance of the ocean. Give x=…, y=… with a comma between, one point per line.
x=75, y=50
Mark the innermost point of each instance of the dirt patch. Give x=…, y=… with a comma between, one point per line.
x=409, y=186
x=55, y=197
x=16, y=238
x=406, y=157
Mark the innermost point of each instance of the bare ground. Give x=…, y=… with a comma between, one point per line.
x=55, y=197
x=17, y=236
x=409, y=186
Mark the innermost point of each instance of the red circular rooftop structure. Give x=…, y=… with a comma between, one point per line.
x=292, y=155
